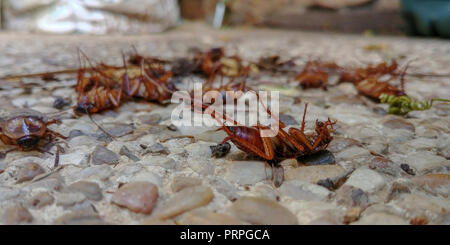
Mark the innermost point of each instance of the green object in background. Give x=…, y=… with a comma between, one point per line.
x=427, y=17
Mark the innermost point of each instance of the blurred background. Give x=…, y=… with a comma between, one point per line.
x=399, y=17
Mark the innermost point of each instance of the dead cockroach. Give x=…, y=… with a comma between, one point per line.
x=273, y=64
x=214, y=61
x=357, y=75
x=367, y=81
x=26, y=129
x=107, y=88
x=315, y=74
x=292, y=144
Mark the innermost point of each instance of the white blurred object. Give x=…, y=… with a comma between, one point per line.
x=91, y=16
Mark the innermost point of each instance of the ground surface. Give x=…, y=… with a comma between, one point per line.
x=180, y=180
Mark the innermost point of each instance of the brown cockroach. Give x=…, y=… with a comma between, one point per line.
x=104, y=89
x=357, y=75
x=292, y=144
x=273, y=64
x=373, y=88
x=315, y=74
x=26, y=129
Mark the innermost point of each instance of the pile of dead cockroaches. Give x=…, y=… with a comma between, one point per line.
x=102, y=87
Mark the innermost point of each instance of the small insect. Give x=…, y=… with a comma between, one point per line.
x=284, y=145
x=357, y=75
x=315, y=74
x=26, y=129
x=273, y=64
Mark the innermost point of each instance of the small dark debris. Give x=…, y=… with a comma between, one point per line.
x=124, y=151
x=335, y=182
x=120, y=130
x=220, y=150
x=183, y=67
x=61, y=102
x=157, y=148
x=172, y=127
x=407, y=169
x=278, y=175
x=323, y=157
x=49, y=77
x=359, y=197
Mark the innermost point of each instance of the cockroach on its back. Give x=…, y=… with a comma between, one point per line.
x=26, y=129
x=291, y=144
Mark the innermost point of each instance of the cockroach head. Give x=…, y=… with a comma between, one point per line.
x=83, y=108
x=28, y=141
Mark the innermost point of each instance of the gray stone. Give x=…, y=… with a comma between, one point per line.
x=90, y=189
x=305, y=191
x=102, y=155
x=124, y=151
x=425, y=161
x=351, y=196
x=367, y=180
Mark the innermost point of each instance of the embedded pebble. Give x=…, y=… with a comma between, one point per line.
x=181, y=182
x=434, y=183
x=28, y=171
x=124, y=151
x=157, y=148
x=90, y=189
x=120, y=130
x=417, y=205
x=380, y=219
x=313, y=174
x=425, y=161
x=304, y=191
x=399, y=123
x=384, y=165
x=248, y=172
x=366, y=179
x=41, y=199
x=151, y=119
x=7, y=193
x=352, y=153
x=352, y=196
x=16, y=214
x=396, y=190
x=102, y=155
x=340, y=143
x=262, y=211
x=69, y=199
x=139, y=197
x=203, y=216
x=79, y=218
x=185, y=200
